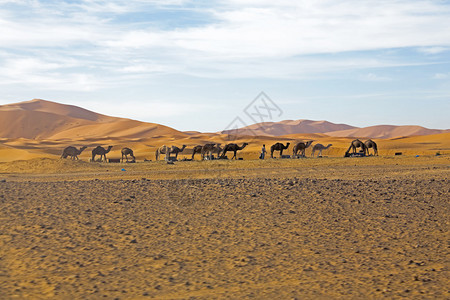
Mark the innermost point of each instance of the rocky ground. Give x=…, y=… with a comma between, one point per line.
x=383, y=233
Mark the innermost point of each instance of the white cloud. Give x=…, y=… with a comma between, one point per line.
x=375, y=77
x=434, y=50
x=441, y=75
x=245, y=38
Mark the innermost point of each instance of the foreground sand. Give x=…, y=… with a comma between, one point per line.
x=314, y=228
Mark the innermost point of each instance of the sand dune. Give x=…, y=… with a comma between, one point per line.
x=289, y=127
x=385, y=131
x=40, y=119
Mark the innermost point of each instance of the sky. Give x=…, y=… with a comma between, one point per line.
x=198, y=65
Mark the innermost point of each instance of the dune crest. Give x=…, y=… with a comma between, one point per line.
x=42, y=119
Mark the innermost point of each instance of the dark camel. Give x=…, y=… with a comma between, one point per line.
x=278, y=147
x=72, y=152
x=176, y=150
x=217, y=150
x=232, y=147
x=373, y=145
x=197, y=149
x=354, y=145
x=99, y=150
x=300, y=147
x=126, y=152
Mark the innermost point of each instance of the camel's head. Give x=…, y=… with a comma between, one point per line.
x=329, y=145
x=287, y=145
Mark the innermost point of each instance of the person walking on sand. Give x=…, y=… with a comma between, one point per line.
x=263, y=152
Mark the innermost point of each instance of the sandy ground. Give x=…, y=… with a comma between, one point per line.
x=280, y=229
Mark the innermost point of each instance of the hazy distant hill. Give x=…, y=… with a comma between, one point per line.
x=41, y=119
x=385, y=131
x=331, y=129
x=289, y=127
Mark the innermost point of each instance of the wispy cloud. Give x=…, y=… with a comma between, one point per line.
x=441, y=76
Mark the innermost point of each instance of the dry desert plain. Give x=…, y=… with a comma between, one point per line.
x=324, y=228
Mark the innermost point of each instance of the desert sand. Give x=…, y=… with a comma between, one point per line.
x=287, y=229
x=310, y=228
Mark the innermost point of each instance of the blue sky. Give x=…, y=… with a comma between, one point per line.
x=195, y=65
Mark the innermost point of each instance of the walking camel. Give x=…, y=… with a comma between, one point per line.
x=72, y=152
x=217, y=149
x=127, y=151
x=300, y=147
x=99, y=150
x=373, y=145
x=278, y=147
x=320, y=148
x=234, y=148
x=176, y=150
x=354, y=145
x=197, y=149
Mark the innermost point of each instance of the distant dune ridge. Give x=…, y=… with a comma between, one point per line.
x=290, y=127
x=331, y=129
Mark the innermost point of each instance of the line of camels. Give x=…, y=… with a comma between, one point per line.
x=208, y=151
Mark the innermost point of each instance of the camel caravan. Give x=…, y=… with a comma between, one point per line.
x=212, y=151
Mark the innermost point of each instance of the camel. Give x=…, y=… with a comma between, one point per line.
x=278, y=147
x=176, y=150
x=234, y=148
x=126, y=152
x=99, y=150
x=72, y=152
x=301, y=147
x=163, y=150
x=320, y=148
x=197, y=149
x=217, y=149
x=354, y=145
x=207, y=149
x=373, y=145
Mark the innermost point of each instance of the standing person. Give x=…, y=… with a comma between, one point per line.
x=263, y=152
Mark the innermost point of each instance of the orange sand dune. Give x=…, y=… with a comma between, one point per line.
x=40, y=119
x=385, y=131
x=289, y=127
